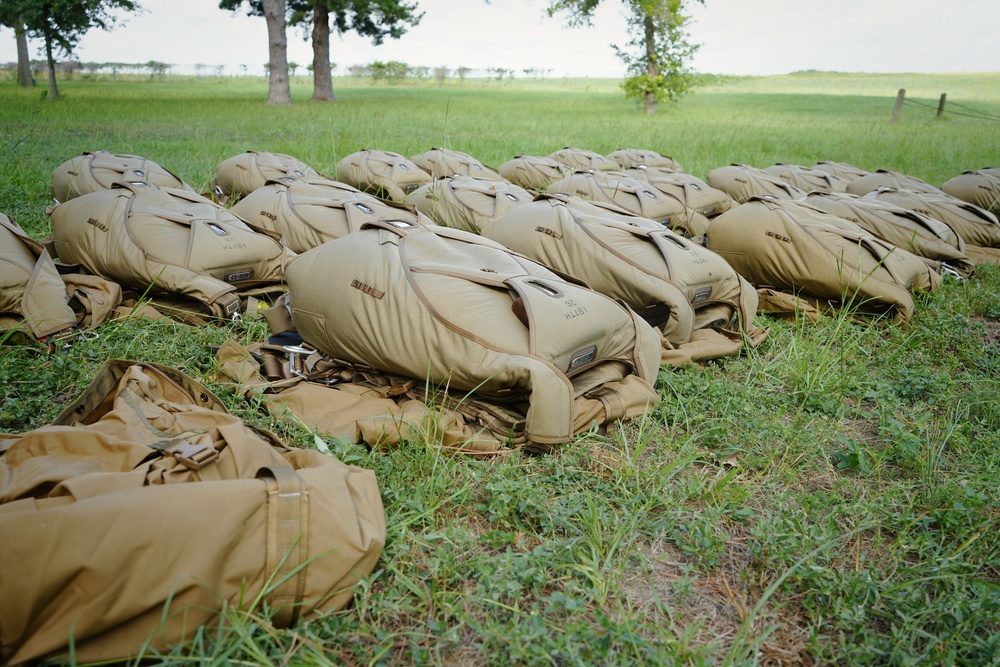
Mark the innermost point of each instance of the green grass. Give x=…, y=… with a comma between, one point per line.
x=830, y=498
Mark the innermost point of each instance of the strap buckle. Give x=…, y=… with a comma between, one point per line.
x=193, y=456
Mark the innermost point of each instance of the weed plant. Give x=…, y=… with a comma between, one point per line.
x=832, y=497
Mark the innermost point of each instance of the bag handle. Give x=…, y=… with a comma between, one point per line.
x=287, y=547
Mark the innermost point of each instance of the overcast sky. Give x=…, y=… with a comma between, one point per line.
x=738, y=37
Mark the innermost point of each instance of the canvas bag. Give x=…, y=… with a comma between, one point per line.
x=888, y=178
x=846, y=171
x=741, y=182
x=806, y=179
x=700, y=199
x=441, y=162
x=626, y=158
x=463, y=202
x=630, y=194
x=99, y=170
x=582, y=158
x=920, y=234
x=151, y=507
x=792, y=247
x=979, y=187
x=309, y=212
x=32, y=293
x=976, y=226
x=456, y=310
x=174, y=242
x=533, y=172
x=241, y=174
x=674, y=284
x=382, y=173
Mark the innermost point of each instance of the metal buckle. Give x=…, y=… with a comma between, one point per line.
x=293, y=355
x=193, y=456
x=947, y=270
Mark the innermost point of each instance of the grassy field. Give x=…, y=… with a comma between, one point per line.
x=830, y=498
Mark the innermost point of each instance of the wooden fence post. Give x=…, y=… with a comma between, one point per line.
x=941, y=104
x=896, y=110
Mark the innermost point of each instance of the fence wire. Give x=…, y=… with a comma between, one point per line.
x=980, y=115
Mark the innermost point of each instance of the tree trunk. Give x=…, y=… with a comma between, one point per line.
x=322, y=79
x=652, y=69
x=279, y=91
x=23, y=60
x=53, y=90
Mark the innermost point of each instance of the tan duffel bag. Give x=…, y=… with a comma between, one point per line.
x=441, y=162
x=467, y=203
x=99, y=170
x=453, y=309
x=888, y=178
x=701, y=199
x=673, y=283
x=627, y=158
x=382, y=173
x=846, y=171
x=792, y=247
x=308, y=212
x=976, y=226
x=146, y=509
x=979, y=187
x=582, y=158
x=164, y=241
x=32, y=294
x=741, y=182
x=631, y=194
x=241, y=174
x=807, y=179
x=920, y=234
x=533, y=172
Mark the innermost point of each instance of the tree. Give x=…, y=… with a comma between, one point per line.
x=376, y=19
x=279, y=90
x=61, y=23
x=23, y=59
x=657, y=56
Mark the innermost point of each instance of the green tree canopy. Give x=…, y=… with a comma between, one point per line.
x=61, y=23
x=657, y=55
x=376, y=19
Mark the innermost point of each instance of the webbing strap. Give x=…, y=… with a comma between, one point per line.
x=287, y=542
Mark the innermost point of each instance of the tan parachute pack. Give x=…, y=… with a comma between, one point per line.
x=789, y=246
x=701, y=201
x=741, y=182
x=99, y=170
x=979, y=228
x=455, y=310
x=627, y=158
x=467, y=203
x=441, y=162
x=888, y=178
x=632, y=195
x=308, y=212
x=683, y=290
x=846, y=171
x=165, y=241
x=241, y=174
x=533, y=172
x=582, y=158
x=32, y=293
x=918, y=233
x=808, y=179
x=152, y=509
x=382, y=173
x=979, y=187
